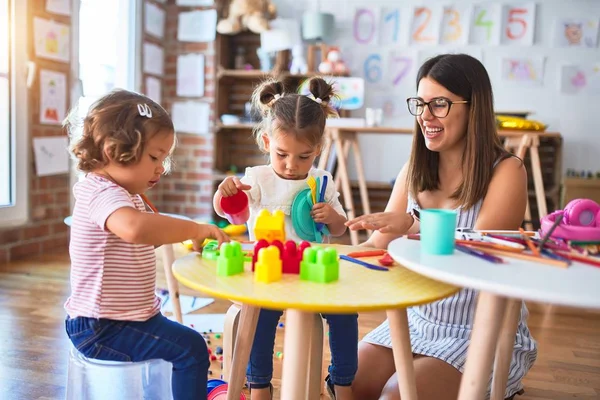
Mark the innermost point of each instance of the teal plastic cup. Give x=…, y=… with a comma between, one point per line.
x=437, y=231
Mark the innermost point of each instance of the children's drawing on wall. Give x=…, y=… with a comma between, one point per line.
x=51, y=39
x=580, y=79
x=53, y=97
x=523, y=70
x=426, y=24
x=351, y=91
x=576, y=32
x=455, y=25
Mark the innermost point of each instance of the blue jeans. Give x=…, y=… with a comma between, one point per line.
x=156, y=338
x=343, y=342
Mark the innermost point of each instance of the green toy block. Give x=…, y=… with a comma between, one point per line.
x=231, y=259
x=210, y=251
x=320, y=265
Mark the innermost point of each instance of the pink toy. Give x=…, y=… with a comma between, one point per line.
x=236, y=208
x=581, y=221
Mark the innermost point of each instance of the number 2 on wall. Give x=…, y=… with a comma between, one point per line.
x=419, y=31
x=514, y=20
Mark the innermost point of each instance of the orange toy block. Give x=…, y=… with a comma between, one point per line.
x=268, y=266
x=270, y=226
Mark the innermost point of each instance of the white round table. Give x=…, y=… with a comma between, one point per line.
x=502, y=287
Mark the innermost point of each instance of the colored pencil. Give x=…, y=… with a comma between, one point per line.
x=559, y=218
x=529, y=243
x=555, y=256
x=580, y=258
x=479, y=254
x=485, y=245
x=364, y=264
x=367, y=253
x=527, y=257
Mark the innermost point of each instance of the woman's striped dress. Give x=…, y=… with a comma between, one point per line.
x=443, y=329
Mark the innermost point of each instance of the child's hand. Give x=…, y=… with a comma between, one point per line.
x=324, y=213
x=208, y=231
x=231, y=185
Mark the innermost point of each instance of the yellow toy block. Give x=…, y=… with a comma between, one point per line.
x=268, y=267
x=270, y=227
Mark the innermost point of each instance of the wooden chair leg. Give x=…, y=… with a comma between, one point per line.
x=230, y=330
x=241, y=350
x=314, y=383
x=172, y=285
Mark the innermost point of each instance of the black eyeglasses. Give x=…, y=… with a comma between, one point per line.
x=439, y=107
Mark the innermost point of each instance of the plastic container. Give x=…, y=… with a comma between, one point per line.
x=236, y=208
x=437, y=231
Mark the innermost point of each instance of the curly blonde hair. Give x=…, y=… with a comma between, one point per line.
x=293, y=113
x=115, y=129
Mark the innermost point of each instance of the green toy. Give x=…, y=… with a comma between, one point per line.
x=320, y=265
x=211, y=250
x=230, y=260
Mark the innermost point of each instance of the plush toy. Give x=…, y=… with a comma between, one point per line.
x=253, y=15
x=298, y=65
x=334, y=63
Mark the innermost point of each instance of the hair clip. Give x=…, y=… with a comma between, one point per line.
x=276, y=97
x=316, y=99
x=144, y=110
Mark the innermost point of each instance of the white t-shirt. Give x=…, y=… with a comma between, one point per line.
x=271, y=192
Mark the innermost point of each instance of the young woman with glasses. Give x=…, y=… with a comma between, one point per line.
x=457, y=162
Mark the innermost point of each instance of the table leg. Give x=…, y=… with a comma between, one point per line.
x=403, y=356
x=241, y=350
x=295, y=348
x=362, y=181
x=172, y=285
x=315, y=361
x=505, y=347
x=345, y=182
x=538, y=180
x=488, y=321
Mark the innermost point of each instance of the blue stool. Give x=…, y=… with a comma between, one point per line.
x=90, y=379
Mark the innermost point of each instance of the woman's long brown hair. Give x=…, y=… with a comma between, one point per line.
x=466, y=77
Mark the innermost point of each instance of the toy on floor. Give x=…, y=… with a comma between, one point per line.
x=217, y=390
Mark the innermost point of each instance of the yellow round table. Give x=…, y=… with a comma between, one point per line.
x=358, y=289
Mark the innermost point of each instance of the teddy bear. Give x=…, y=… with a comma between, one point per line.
x=253, y=15
x=334, y=63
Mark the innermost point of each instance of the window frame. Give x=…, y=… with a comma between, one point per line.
x=18, y=212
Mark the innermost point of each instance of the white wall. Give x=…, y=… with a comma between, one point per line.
x=574, y=116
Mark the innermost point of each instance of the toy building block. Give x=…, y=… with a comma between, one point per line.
x=268, y=265
x=320, y=265
x=270, y=227
x=210, y=250
x=261, y=244
x=290, y=257
x=231, y=259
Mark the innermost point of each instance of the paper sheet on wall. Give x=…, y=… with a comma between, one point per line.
x=190, y=75
x=518, y=24
x=576, y=32
x=197, y=26
x=51, y=155
x=455, y=25
x=153, y=59
x=425, y=24
x=154, y=20
x=204, y=3
x=484, y=28
x=52, y=39
x=580, y=79
x=154, y=89
x=191, y=117
x=53, y=97
x=523, y=70
x=62, y=7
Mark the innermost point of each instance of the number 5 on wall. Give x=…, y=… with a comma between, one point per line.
x=519, y=24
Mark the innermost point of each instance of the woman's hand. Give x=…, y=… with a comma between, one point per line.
x=397, y=223
x=231, y=185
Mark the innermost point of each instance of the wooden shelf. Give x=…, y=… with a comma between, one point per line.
x=241, y=126
x=258, y=74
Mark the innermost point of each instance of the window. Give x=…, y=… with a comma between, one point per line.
x=14, y=131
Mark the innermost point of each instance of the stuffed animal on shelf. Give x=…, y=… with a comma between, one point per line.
x=252, y=15
x=334, y=63
x=299, y=65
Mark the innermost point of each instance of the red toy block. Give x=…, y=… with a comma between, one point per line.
x=291, y=261
x=278, y=244
x=303, y=246
x=261, y=244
